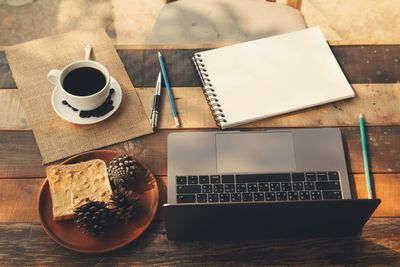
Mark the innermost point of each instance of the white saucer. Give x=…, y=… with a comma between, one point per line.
x=68, y=114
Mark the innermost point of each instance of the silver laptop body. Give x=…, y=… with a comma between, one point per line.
x=255, y=152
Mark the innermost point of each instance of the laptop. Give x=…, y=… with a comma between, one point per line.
x=260, y=184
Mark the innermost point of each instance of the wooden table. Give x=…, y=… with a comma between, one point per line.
x=373, y=70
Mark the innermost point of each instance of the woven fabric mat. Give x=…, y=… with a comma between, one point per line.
x=30, y=62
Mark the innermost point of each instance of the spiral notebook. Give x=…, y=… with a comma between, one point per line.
x=270, y=76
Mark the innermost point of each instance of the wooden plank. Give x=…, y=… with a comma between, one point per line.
x=387, y=188
x=360, y=63
x=379, y=244
x=12, y=113
x=364, y=42
x=369, y=64
x=19, y=196
x=142, y=66
x=358, y=42
x=374, y=42
x=19, y=199
x=6, y=80
x=378, y=102
x=169, y=46
x=387, y=42
x=294, y=3
x=19, y=155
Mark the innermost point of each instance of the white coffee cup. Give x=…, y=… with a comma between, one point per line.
x=87, y=102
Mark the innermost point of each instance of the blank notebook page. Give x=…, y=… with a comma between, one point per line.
x=274, y=75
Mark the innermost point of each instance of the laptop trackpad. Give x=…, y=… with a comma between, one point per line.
x=255, y=152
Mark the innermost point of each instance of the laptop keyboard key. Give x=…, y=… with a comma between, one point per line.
x=298, y=186
x=263, y=178
x=277, y=177
x=215, y=179
x=241, y=188
x=298, y=177
x=224, y=198
x=322, y=176
x=332, y=194
x=204, y=179
x=212, y=198
x=187, y=189
x=218, y=188
x=281, y=196
x=228, y=179
x=304, y=195
x=311, y=177
x=293, y=195
x=327, y=185
x=236, y=197
x=333, y=176
x=201, y=198
x=250, y=178
x=316, y=195
x=263, y=187
x=258, y=196
x=247, y=196
x=286, y=186
x=229, y=188
x=180, y=179
x=193, y=180
x=309, y=186
x=270, y=196
x=275, y=187
x=252, y=188
x=206, y=188
x=186, y=198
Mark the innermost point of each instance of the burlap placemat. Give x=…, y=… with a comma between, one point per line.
x=56, y=138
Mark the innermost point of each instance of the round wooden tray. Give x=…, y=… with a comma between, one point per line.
x=69, y=236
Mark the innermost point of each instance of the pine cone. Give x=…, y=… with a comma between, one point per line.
x=125, y=204
x=121, y=171
x=93, y=217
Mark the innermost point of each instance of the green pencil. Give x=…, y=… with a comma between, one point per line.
x=365, y=155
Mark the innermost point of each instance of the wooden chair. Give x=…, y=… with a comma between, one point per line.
x=221, y=21
x=293, y=3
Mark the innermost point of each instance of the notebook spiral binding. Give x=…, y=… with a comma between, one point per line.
x=209, y=91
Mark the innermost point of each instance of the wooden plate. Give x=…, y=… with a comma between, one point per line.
x=69, y=236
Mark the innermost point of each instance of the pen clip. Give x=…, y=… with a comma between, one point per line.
x=158, y=83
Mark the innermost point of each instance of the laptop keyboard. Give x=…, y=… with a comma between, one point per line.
x=258, y=187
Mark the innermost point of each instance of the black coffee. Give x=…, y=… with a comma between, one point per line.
x=84, y=81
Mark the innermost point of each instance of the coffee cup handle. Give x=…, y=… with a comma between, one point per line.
x=53, y=76
x=88, y=51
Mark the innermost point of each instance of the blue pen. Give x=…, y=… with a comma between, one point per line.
x=365, y=156
x=169, y=92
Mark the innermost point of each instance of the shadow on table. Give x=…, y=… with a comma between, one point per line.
x=154, y=248
x=26, y=244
